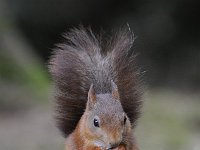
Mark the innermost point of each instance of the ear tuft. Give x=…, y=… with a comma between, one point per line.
x=115, y=92
x=91, y=97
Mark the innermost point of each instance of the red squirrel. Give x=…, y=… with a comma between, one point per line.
x=98, y=99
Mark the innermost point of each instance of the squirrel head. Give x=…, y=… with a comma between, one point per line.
x=105, y=120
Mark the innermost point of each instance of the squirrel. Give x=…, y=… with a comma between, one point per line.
x=98, y=98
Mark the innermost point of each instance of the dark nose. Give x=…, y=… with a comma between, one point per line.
x=112, y=146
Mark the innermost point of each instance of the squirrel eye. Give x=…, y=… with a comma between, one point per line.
x=96, y=123
x=125, y=119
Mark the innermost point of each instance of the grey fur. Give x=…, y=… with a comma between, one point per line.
x=84, y=60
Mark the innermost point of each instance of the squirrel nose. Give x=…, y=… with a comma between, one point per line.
x=113, y=145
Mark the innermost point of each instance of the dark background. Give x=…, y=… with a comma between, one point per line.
x=168, y=32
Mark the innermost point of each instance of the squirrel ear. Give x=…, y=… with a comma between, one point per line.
x=91, y=97
x=115, y=92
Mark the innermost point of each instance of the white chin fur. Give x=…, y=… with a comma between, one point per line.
x=99, y=144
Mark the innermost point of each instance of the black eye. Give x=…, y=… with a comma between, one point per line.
x=96, y=123
x=125, y=119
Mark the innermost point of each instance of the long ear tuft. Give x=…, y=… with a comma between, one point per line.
x=91, y=97
x=114, y=88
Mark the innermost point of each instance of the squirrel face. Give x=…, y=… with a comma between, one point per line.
x=106, y=121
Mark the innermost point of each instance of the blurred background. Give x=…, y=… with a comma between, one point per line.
x=168, y=44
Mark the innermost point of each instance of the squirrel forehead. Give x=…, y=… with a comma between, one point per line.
x=106, y=103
